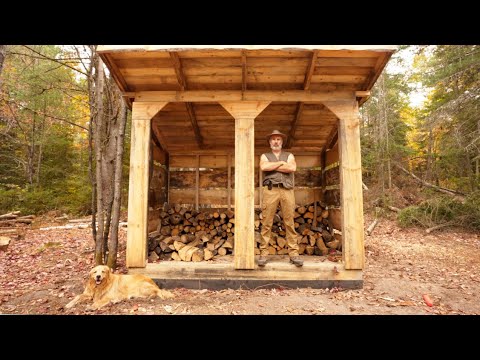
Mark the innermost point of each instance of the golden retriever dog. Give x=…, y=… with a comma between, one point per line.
x=104, y=286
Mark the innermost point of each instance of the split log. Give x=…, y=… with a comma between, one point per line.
x=178, y=245
x=208, y=254
x=187, y=252
x=309, y=249
x=371, y=227
x=4, y=241
x=10, y=215
x=321, y=246
x=198, y=255
x=228, y=243
x=393, y=208
x=335, y=244
x=222, y=251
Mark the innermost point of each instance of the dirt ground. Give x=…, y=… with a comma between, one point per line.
x=44, y=271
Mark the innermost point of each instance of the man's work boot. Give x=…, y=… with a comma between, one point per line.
x=296, y=261
x=262, y=261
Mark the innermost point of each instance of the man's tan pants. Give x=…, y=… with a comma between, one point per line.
x=271, y=198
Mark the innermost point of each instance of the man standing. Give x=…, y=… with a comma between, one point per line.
x=278, y=169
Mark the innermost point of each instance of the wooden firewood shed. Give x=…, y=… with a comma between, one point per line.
x=200, y=116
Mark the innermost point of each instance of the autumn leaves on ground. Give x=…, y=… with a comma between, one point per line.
x=44, y=271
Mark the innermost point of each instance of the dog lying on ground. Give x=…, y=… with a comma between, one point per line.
x=104, y=286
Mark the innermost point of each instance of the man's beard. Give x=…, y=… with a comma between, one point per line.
x=276, y=147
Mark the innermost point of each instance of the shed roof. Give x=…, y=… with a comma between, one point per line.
x=201, y=125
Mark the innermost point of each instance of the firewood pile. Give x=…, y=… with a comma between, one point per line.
x=13, y=227
x=185, y=234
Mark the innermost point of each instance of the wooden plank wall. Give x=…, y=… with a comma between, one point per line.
x=332, y=186
x=213, y=179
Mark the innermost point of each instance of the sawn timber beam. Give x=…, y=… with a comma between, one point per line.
x=234, y=95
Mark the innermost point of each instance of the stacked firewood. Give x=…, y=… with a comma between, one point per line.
x=191, y=235
x=12, y=227
x=312, y=226
x=186, y=234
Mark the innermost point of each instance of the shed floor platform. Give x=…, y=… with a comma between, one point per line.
x=316, y=272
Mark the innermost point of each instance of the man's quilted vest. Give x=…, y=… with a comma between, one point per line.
x=277, y=177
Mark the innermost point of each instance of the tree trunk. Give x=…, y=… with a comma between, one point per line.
x=386, y=144
x=98, y=132
x=428, y=173
x=117, y=188
x=3, y=54
x=91, y=102
x=42, y=140
x=443, y=190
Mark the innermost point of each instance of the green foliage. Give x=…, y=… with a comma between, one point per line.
x=385, y=122
x=441, y=209
x=43, y=156
x=447, y=128
x=71, y=199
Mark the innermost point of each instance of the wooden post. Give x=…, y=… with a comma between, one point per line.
x=260, y=185
x=167, y=165
x=351, y=196
x=197, y=183
x=142, y=114
x=229, y=180
x=244, y=113
x=323, y=164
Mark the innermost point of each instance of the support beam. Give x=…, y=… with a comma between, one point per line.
x=293, y=128
x=362, y=96
x=193, y=121
x=197, y=183
x=178, y=70
x=229, y=181
x=351, y=197
x=244, y=114
x=159, y=136
x=260, y=185
x=122, y=84
x=323, y=164
x=142, y=114
x=332, y=138
x=167, y=186
x=310, y=69
x=237, y=95
x=155, y=139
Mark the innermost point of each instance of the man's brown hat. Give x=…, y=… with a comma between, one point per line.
x=276, y=132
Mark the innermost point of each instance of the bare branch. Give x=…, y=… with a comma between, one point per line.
x=55, y=60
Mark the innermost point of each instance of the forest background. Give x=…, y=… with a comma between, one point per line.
x=420, y=135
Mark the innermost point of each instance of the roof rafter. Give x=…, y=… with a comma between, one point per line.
x=156, y=141
x=306, y=86
x=183, y=86
x=293, y=128
x=244, y=70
